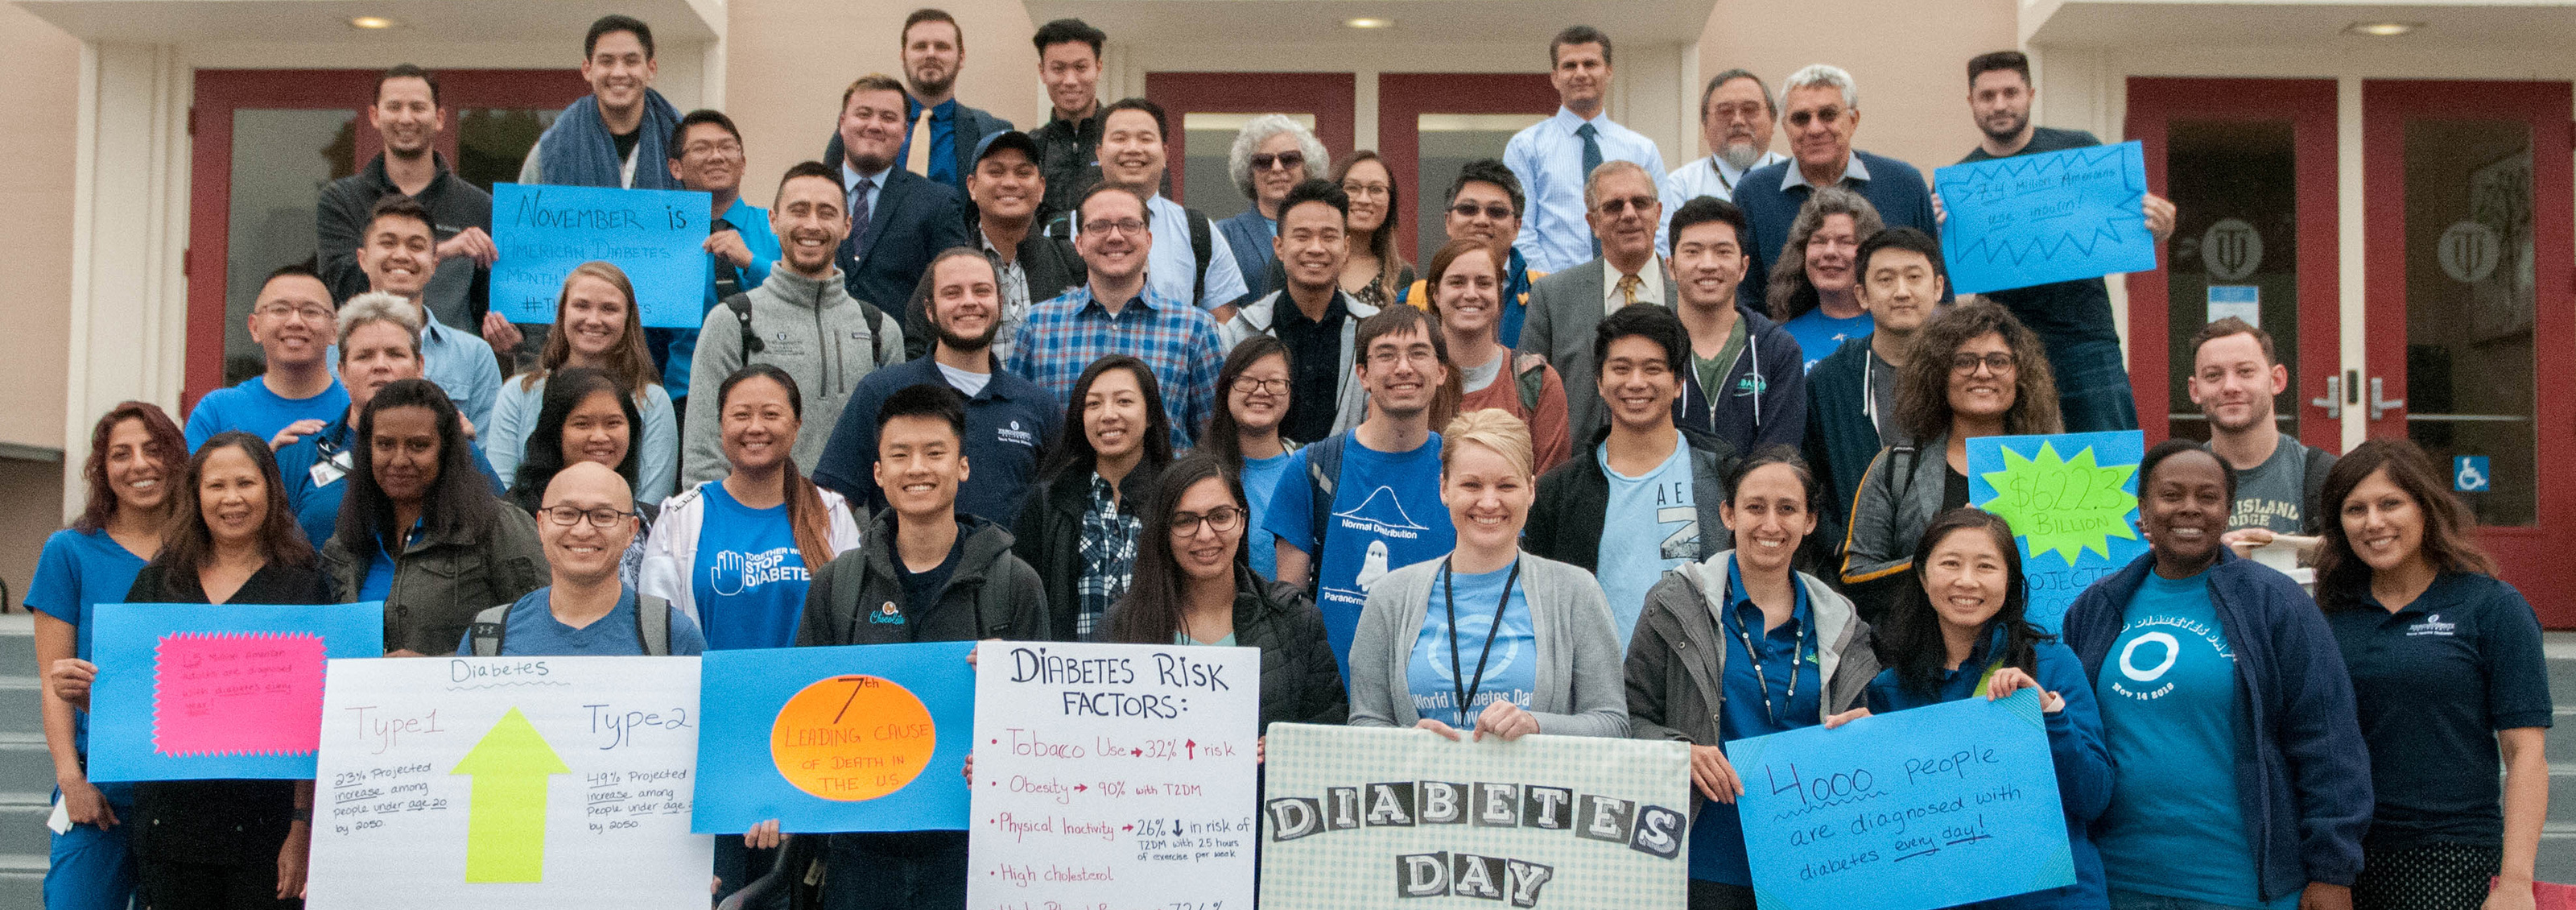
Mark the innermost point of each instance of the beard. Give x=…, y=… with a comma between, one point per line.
x=1740, y=155
x=2256, y=416
x=2014, y=129
x=969, y=344
x=940, y=88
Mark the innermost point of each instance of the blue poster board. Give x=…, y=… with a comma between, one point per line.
x=1937, y=806
x=656, y=236
x=2053, y=216
x=852, y=738
x=215, y=691
x=2072, y=499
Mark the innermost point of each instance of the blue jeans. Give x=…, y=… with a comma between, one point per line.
x=905, y=870
x=2093, y=393
x=92, y=868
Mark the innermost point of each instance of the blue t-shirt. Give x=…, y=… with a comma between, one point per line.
x=749, y=580
x=1786, y=695
x=1386, y=514
x=533, y=631
x=1511, y=670
x=2168, y=696
x=1260, y=482
x=251, y=408
x=316, y=468
x=1649, y=526
x=76, y=571
x=1819, y=335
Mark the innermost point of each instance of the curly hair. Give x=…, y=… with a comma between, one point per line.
x=1923, y=386
x=1789, y=294
x=1238, y=163
x=163, y=444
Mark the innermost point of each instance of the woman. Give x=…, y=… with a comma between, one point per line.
x=1466, y=296
x=1373, y=274
x=1789, y=653
x=2447, y=672
x=1814, y=290
x=1963, y=633
x=419, y=528
x=1244, y=434
x=1974, y=371
x=1543, y=659
x=1193, y=587
x=2238, y=772
x=735, y=553
x=588, y=416
x=1271, y=153
x=233, y=540
x=1082, y=538
x=597, y=327
x=131, y=453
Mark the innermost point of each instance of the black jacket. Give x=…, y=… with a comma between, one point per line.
x=1565, y=521
x=1050, y=263
x=1300, y=682
x=459, y=291
x=1841, y=437
x=1049, y=537
x=1069, y=159
x=857, y=599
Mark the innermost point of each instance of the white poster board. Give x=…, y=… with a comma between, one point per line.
x=479, y=782
x=1116, y=776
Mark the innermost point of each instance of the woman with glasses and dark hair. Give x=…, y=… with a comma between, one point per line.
x=1083, y=536
x=1374, y=273
x=1244, y=434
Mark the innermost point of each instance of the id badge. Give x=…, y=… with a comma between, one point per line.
x=330, y=470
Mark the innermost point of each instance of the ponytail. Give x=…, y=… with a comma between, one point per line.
x=807, y=516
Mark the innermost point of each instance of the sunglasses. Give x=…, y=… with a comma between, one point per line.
x=1286, y=161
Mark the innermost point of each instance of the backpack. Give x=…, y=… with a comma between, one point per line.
x=652, y=626
x=1202, y=246
x=2312, y=489
x=992, y=603
x=1529, y=375
x=740, y=304
x=1323, y=475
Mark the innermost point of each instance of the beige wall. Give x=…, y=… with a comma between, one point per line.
x=41, y=66
x=1911, y=67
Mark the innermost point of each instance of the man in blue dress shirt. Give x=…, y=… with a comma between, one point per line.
x=1554, y=156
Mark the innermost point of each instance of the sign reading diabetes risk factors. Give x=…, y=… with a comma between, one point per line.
x=1931, y=807
x=1358, y=817
x=200, y=691
x=2072, y=500
x=656, y=237
x=475, y=782
x=1114, y=776
x=2054, y=216
x=852, y=738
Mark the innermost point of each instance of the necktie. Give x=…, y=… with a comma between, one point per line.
x=1592, y=159
x=1628, y=285
x=917, y=157
x=858, y=240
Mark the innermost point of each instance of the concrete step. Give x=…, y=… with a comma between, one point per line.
x=22, y=823
x=25, y=765
x=22, y=880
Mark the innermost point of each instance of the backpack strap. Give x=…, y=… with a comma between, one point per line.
x=2312, y=488
x=653, y=624
x=1323, y=475
x=876, y=330
x=1904, y=475
x=740, y=304
x=1530, y=374
x=487, y=630
x=1203, y=246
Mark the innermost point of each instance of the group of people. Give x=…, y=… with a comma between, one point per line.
x=1697, y=436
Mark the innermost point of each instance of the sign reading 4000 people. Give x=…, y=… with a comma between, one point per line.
x=655, y=236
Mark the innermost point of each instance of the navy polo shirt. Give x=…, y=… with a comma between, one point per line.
x=1756, y=705
x=1007, y=425
x=2433, y=682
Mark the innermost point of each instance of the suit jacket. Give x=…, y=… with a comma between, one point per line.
x=1564, y=308
x=972, y=126
x=915, y=219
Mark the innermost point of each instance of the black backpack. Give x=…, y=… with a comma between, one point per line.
x=652, y=626
x=740, y=304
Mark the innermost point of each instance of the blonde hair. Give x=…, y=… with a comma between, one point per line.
x=1493, y=428
x=630, y=361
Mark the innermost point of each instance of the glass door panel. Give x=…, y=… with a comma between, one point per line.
x=1447, y=142
x=2235, y=248
x=281, y=161
x=1428, y=124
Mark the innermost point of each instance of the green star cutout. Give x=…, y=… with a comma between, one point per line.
x=2063, y=506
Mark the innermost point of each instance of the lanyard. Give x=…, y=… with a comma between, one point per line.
x=1449, y=594
x=1797, y=652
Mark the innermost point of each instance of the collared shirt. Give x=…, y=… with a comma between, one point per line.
x=1180, y=344
x=1108, y=554
x=1315, y=354
x=1650, y=285
x=1548, y=159
x=943, y=140
x=1855, y=171
x=850, y=178
x=1171, y=266
x=1014, y=281
x=1756, y=704
x=1709, y=176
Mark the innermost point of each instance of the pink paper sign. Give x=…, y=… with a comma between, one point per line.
x=237, y=694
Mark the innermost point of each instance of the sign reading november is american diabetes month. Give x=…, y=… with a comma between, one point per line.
x=1113, y=776
x=1378, y=818
x=477, y=782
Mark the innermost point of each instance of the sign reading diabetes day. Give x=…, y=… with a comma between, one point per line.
x=850, y=738
x=2072, y=500
x=200, y=691
x=2037, y=219
x=1379, y=818
x=1114, y=776
x=1935, y=806
x=472, y=782
x=655, y=236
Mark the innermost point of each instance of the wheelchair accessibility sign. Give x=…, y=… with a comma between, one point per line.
x=2469, y=473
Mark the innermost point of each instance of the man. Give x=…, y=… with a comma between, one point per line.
x=1746, y=381
x=1007, y=418
x=612, y=136
x=407, y=117
x=2072, y=318
x=1554, y=158
x=1851, y=393
x=1069, y=143
x=2234, y=377
x=802, y=319
x=1008, y=189
x=707, y=156
x=584, y=528
x=1117, y=312
x=1736, y=115
x=292, y=323
x=897, y=219
x=398, y=254
x=1319, y=323
x=1485, y=204
x=1366, y=502
x=928, y=573
x=1646, y=499
x=941, y=134
x=1822, y=107
x=1193, y=263
x=1625, y=213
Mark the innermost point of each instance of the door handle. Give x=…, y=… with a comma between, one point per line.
x=2333, y=402
x=2380, y=405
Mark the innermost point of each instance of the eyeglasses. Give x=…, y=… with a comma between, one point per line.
x=1997, y=363
x=1387, y=357
x=1730, y=112
x=1286, y=161
x=1493, y=211
x=1106, y=227
x=1250, y=386
x=726, y=147
x=1620, y=205
x=1222, y=519
x=1366, y=189
x=1829, y=114
x=602, y=517
x=308, y=314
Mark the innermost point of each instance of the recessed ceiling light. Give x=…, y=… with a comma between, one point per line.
x=371, y=23
x=1369, y=22
x=2382, y=29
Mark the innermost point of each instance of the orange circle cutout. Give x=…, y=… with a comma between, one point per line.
x=852, y=738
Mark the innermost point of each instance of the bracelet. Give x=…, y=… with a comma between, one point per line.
x=303, y=814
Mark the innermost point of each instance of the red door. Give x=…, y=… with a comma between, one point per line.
x=1207, y=109
x=1430, y=123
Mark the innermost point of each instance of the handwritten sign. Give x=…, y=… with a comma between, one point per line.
x=476, y=782
x=855, y=738
x=2072, y=500
x=2053, y=216
x=198, y=691
x=1359, y=817
x=1937, y=806
x=1114, y=776
x=655, y=236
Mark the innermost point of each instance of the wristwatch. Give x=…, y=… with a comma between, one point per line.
x=303, y=814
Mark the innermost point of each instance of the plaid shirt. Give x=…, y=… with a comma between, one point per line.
x=1178, y=342
x=1108, y=555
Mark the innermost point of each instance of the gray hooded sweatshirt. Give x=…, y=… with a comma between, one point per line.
x=811, y=328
